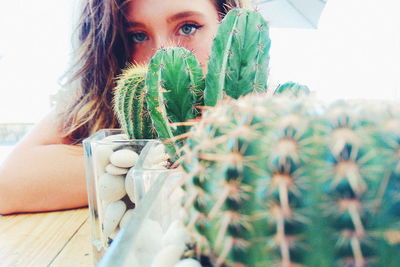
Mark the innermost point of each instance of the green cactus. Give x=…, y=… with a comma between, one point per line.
x=175, y=90
x=130, y=105
x=175, y=87
x=280, y=181
x=239, y=57
x=293, y=89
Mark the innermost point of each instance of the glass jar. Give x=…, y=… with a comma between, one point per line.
x=119, y=172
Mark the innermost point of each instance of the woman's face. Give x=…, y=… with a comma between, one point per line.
x=153, y=24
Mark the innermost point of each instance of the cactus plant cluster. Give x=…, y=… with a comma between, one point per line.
x=273, y=181
x=279, y=181
x=172, y=89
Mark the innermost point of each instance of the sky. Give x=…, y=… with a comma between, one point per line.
x=355, y=53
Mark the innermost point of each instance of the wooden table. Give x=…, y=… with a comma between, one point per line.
x=46, y=239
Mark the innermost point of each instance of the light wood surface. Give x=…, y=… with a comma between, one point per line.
x=46, y=239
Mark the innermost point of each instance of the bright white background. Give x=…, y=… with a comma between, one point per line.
x=355, y=53
x=35, y=41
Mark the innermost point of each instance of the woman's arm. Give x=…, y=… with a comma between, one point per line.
x=42, y=173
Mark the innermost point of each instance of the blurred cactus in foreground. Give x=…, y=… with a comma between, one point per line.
x=279, y=181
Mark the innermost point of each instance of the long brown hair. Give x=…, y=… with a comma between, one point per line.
x=102, y=52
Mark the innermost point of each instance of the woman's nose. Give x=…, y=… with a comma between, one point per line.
x=145, y=54
x=162, y=41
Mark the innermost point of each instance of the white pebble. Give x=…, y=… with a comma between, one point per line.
x=156, y=155
x=102, y=155
x=168, y=256
x=111, y=187
x=115, y=137
x=129, y=187
x=148, y=239
x=175, y=235
x=133, y=261
x=159, y=166
x=144, y=258
x=188, y=263
x=124, y=158
x=114, y=170
x=126, y=218
x=112, y=216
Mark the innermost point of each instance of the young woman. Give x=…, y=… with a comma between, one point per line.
x=46, y=169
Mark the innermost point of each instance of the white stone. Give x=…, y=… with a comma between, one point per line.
x=112, y=217
x=104, y=204
x=188, y=263
x=144, y=258
x=159, y=166
x=133, y=261
x=114, y=170
x=126, y=218
x=177, y=212
x=124, y=158
x=168, y=256
x=156, y=155
x=111, y=187
x=116, y=137
x=175, y=235
x=102, y=155
x=148, y=239
x=129, y=187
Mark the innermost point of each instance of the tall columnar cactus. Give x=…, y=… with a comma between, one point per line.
x=291, y=182
x=175, y=87
x=239, y=59
x=130, y=105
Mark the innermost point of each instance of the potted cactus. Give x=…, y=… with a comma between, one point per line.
x=160, y=102
x=271, y=181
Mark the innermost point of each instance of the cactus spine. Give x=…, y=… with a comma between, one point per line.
x=289, y=182
x=239, y=57
x=130, y=105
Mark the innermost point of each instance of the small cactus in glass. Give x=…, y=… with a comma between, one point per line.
x=280, y=181
x=130, y=105
x=175, y=88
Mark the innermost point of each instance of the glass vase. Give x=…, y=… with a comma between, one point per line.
x=119, y=172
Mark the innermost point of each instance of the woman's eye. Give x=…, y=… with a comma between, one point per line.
x=189, y=29
x=138, y=37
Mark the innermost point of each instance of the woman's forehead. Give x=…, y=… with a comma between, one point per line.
x=141, y=10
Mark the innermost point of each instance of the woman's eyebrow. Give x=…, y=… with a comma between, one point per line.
x=175, y=17
x=134, y=24
x=182, y=15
